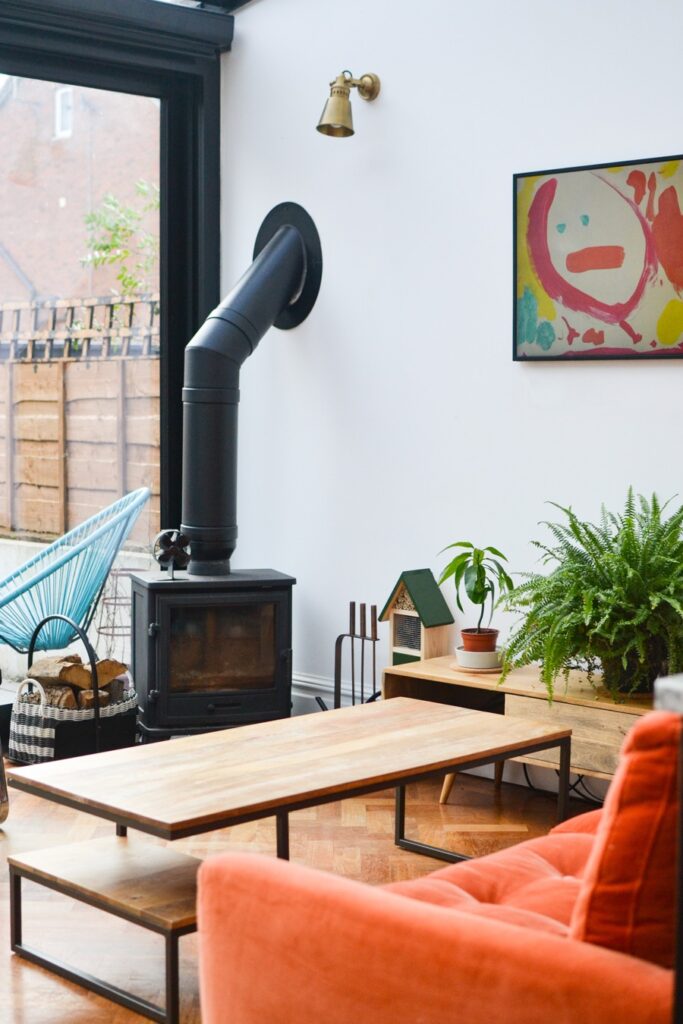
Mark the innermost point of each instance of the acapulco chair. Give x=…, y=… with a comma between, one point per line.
x=50, y=601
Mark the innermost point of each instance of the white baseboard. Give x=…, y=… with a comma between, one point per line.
x=305, y=688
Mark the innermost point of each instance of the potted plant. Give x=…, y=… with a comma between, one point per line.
x=613, y=599
x=480, y=572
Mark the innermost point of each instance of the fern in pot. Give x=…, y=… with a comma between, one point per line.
x=613, y=599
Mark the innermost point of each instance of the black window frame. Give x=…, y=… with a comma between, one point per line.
x=149, y=48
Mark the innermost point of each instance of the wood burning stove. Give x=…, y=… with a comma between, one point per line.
x=211, y=652
x=211, y=647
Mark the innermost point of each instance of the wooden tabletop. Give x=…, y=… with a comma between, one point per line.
x=190, y=785
x=525, y=682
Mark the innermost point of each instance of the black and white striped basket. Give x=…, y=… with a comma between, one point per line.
x=39, y=732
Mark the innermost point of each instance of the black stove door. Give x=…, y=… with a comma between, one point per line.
x=223, y=658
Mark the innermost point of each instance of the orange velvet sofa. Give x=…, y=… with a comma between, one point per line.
x=576, y=927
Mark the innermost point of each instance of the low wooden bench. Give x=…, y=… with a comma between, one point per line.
x=151, y=886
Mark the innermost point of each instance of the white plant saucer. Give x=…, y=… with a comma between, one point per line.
x=478, y=661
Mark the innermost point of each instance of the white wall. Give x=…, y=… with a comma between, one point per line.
x=394, y=420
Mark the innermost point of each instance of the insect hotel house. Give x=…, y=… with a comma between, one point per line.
x=421, y=624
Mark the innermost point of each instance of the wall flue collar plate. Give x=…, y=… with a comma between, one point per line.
x=297, y=217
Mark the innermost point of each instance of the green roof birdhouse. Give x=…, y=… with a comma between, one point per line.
x=421, y=624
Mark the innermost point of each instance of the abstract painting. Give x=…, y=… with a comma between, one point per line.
x=599, y=261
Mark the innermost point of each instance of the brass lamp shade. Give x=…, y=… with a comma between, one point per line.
x=336, y=118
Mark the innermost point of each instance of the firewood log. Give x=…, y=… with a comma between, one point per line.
x=71, y=670
x=108, y=670
x=61, y=697
x=86, y=699
x=116, y=689
x=53, y=670
x=55, y=697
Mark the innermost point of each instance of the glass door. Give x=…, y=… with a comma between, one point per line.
x=79, y=306
x=223, y=657
x=79, y=322
x=224, y=648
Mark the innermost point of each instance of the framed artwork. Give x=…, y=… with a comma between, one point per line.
x=599, y=262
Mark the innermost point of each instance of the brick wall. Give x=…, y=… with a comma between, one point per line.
x=49, y=184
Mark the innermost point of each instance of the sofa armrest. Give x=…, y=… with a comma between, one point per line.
x=280, y=943
x=585, y=823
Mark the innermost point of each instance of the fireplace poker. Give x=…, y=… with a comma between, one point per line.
x=362, y=654
x=373, y=637
x=352, y=633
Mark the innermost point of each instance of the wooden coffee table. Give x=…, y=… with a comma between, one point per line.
x=192, y=785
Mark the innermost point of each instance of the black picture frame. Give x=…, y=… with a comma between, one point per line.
x=579, y=356
x=172, y=53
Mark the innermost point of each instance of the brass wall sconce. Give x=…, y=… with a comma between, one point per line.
x=336, y=118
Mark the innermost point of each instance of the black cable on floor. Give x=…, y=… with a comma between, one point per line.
x=590, y=796
x=530, y=784
x=578, y=788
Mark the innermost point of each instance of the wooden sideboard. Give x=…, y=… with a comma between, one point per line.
x=598, y=723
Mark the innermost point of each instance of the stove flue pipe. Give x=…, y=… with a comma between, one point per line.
x=279, y=288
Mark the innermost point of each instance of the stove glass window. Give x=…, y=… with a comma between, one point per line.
x=222, y=648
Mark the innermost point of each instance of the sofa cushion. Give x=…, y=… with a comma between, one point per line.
x=627, y=895
x=534, y=884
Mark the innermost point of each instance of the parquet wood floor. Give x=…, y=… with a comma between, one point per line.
x=353, y=838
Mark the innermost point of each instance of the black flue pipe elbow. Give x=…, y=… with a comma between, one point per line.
x=273, y=283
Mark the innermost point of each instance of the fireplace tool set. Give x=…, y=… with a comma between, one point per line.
x=364, y=639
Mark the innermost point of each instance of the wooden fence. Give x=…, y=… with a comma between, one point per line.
x=79, y=412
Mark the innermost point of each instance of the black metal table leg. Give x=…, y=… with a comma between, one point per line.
x=563, y=780
x=449, y=855
x=282, y=825
x=170, y=1014
x=15, y=907
x=122, y=830
x=412, y=844
x=400, y=815
x=172, y=980
x=101, y=988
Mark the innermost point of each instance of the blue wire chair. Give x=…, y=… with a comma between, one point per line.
x=64, y=582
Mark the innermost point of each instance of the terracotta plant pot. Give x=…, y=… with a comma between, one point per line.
x=479, y=640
